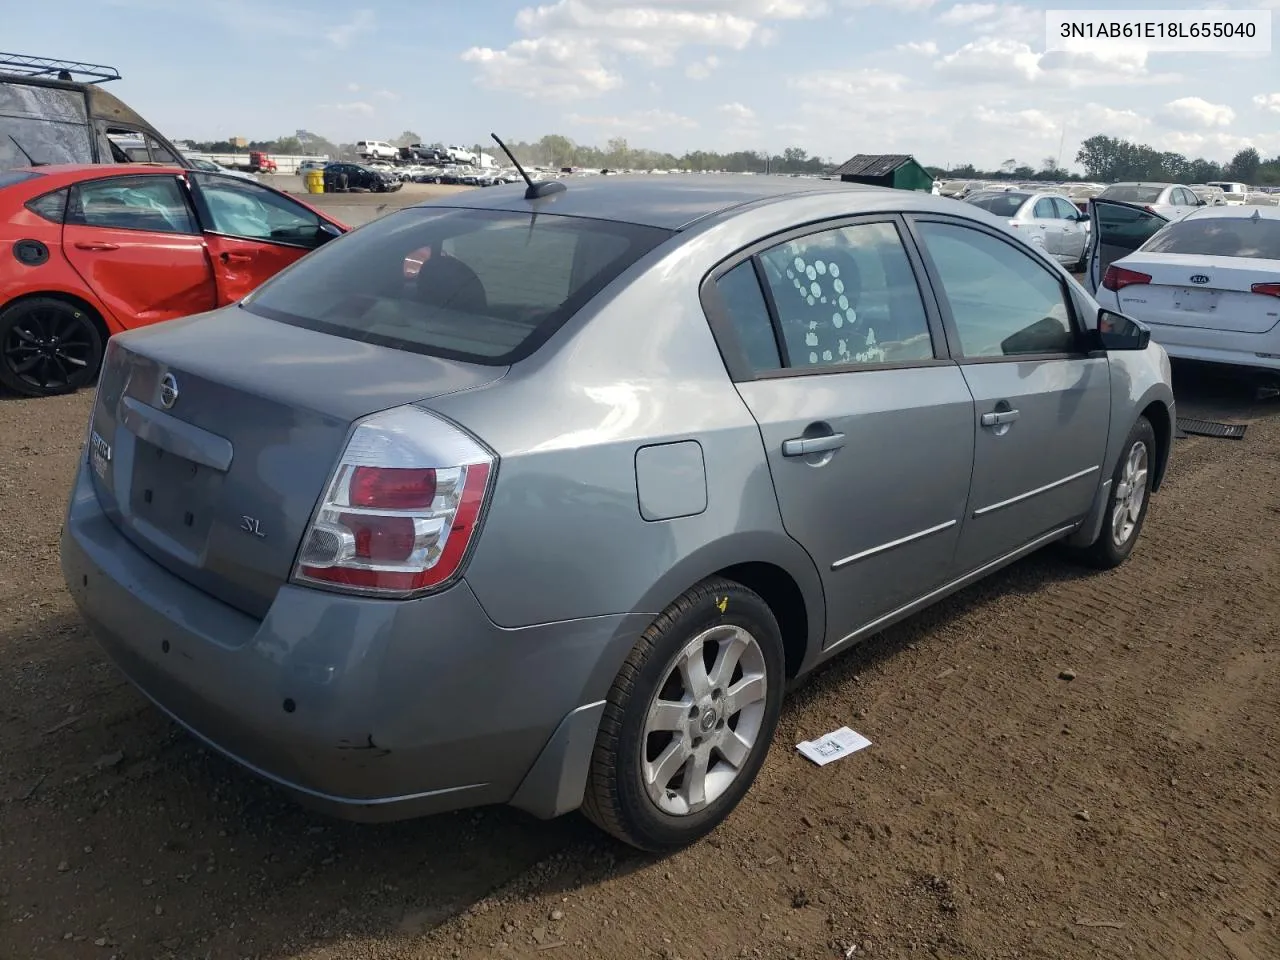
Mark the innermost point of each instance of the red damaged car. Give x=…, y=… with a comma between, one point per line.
x=88, y=251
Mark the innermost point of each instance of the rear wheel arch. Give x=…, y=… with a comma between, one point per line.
x=770, y=564
x=777, y=588
x=79, y=303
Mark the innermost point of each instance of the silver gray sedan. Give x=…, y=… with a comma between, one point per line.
x=542, y=500
x=1046, y=220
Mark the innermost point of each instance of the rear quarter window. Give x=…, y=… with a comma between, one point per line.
x=476, y=285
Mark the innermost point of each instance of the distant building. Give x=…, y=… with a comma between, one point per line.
x=238, y=142
x=897, y=170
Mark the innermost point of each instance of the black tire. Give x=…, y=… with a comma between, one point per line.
x=48, y=347
x=1110, y=550
x=616, y=798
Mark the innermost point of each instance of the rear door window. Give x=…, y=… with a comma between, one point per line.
x=848, y=296
x=477, y=285
x=153, y=203
x=1044, y=209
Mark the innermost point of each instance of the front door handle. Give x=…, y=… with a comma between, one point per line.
x=999, y=418
x=803, y=446
x=237, y=257
x=96, y=245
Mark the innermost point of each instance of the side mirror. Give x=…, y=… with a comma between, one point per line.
x=1118, y=332
x=1082, y=218
x=325, y=232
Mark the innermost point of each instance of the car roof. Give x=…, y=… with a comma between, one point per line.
x=60, y=173
x=1236, y=213
x=670, y=202
x=1143, y=183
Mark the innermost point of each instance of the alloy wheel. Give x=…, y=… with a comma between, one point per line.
x=1131, y=494
x=703, y=723
x=49, y=348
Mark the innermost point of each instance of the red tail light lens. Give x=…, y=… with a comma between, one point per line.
x=1117, y=278
x=402, y=509
x=1267, y=289
x=396, y=488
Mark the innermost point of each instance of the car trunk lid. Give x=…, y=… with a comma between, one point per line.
x=212, y=443
x=1192, y=290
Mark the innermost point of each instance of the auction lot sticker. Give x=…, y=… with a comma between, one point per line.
x=1158, y=31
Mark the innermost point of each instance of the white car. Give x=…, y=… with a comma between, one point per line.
x=1169, y=200
x=376, y=150
x=1207, y=285
x=1046, y=220
x=1234, y=191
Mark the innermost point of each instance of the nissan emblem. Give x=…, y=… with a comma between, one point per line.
x=168, y=391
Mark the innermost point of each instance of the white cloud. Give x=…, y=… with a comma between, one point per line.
x=738, y=113
x=1268, y=101
x=353, y=87
x=361, y=23
x=386, y=95
x=355, y=107
x=964, y=13
x=644, y=121
x=926, y=48
x=905, y=5
x=991, y=60
x=701, y=69
x=1196, y=112
x=558, y=68
x=600, y=31
x=1003, y=60
x=848, y=83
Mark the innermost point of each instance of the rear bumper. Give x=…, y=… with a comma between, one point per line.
x=368, y=709
x=1219, y=346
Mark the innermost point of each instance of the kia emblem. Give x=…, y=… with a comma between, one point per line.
x=1199, y=278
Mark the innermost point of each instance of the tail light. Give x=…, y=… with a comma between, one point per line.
x=401, y=511
x=1266, y=289
x=1117, y=278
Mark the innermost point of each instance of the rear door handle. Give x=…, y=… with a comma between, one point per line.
x=803, y=446
x=1001, y=417
x=96, y=245
x=237, y=257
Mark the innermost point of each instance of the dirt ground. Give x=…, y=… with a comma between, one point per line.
x=1003, y=811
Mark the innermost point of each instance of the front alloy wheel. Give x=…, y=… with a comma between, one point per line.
x=1130, y=496
x=689, y=719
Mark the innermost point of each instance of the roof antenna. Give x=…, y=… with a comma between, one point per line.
x=543, y=188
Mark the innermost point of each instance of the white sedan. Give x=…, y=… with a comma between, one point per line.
x=1207, y=285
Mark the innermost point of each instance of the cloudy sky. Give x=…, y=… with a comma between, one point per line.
x=950, y=82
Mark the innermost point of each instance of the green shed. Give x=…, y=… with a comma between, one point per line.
x=896, y=170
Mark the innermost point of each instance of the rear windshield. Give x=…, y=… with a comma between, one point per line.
x=1220, y=237
x=1130, y=193
x=1001, y=204
x=477, y=285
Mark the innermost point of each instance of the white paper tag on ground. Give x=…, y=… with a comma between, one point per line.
x=833, y=746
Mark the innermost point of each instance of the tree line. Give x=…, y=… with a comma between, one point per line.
x=1104, y=158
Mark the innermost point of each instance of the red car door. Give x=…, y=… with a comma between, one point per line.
x=253, y=232
x=135, y=241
